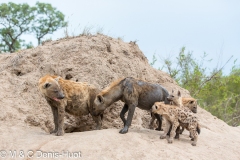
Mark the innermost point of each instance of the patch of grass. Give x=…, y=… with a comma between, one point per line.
x=86, y=31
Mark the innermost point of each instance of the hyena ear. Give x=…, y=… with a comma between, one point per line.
x=100, y=98
x=179, y=94
x=57, y=79
x=46, y=85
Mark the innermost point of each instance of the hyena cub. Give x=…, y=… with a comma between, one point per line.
x=173, y=114
x=188, y=104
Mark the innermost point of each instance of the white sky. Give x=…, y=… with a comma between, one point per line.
x=159, y=26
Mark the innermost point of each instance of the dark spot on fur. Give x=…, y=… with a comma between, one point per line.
x=46, y=85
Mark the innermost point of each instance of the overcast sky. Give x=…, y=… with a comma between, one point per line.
x=160, y=27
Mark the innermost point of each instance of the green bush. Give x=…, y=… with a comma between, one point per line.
x=216, y=92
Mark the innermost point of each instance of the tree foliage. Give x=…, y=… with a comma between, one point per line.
x=47, y=20
x=19, y=19
x=221, y=97
x=14, y=20
x=216, y=92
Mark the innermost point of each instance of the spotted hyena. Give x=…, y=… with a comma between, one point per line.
x=187, y=103
x=76, y=98
x=173, y=114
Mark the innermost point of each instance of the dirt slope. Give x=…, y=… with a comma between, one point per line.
x=26, y=118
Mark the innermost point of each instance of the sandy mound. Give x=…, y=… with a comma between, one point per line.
x=97, y=60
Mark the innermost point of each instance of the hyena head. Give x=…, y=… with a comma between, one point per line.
x=99, y=105
x=175, y=98
x=159, y=108
x=50, y=88
x=191, y=103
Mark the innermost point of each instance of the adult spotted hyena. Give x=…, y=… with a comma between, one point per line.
x=134, y=93
x=76, y=98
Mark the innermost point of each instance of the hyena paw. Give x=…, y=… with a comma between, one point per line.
x=59, y=133
x=194, y=144
x=170, y=140
x=124, y=130
x=162, y=137
x=159, y=129
x=177, y=136
x=53, y=131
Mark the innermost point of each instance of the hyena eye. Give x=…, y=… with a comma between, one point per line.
x=55, y=91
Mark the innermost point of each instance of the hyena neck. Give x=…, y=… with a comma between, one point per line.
x=113, y=95
x=178, y=102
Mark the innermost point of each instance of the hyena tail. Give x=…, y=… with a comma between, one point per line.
x=198, y=129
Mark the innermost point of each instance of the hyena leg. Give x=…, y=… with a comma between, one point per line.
x=170, y=128
x=131, y=109
x=181, y=131
x=166, y=129
x=159, y=120
x=122, y=114
x=191, y=136
x=195, y=137
x=61, y=113
x=152, y=121
x=98, y=120
x=55, y=119
x=175, y=124
x=177, y=132
x=191, y=128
